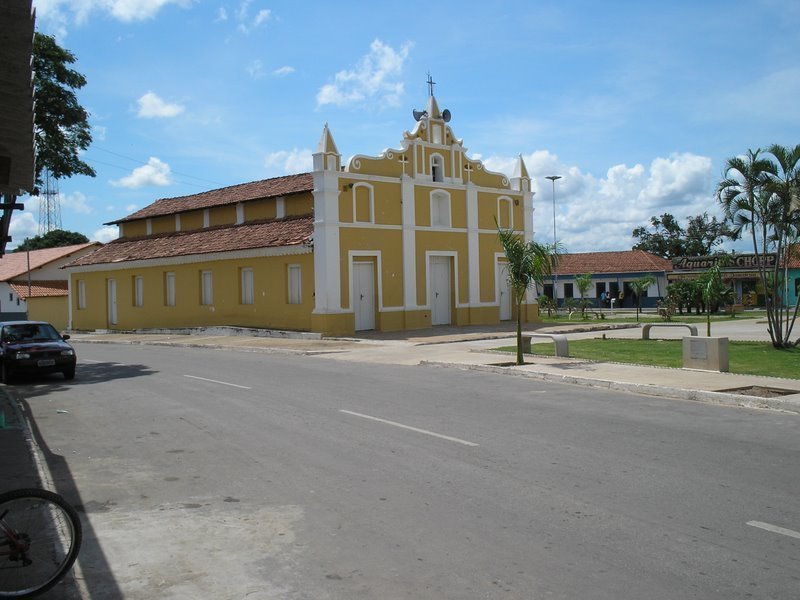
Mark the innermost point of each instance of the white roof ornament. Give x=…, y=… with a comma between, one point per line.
x=326, y=143
x=520, y=170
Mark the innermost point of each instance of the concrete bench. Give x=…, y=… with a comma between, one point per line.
x=559, y=339
x=648, y=326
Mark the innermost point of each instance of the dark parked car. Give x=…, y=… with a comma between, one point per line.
x=34, y=347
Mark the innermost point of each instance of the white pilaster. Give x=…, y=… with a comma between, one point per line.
x=409, y=244
x=327, y=270
x=527, y=209
x=473, y=249
x=527, y=206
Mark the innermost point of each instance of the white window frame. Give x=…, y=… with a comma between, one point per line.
x=504, y=203
x=138, y=291
x=169, y=288
x=248, y=294
x=206, y=288
x=294, y=284
x=441, y=213
x=81, y=294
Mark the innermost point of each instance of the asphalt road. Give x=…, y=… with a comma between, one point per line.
x=205, y=474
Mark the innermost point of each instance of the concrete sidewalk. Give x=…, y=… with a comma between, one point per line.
x=469, y=348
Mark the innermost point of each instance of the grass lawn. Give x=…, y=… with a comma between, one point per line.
x=629, y=316
x=747, y=358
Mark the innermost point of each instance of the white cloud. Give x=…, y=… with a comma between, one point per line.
x=105, y=234
x=283, y=71
x=676, y=178
x=151, y=106
x=138, y=10
x=772, y=97
x=375, y=77
x=595, y=214
x=130, y=208
x=155, y=172
x=247, y=24
x=99, y=133
x=290, y=161
x=222, y=15
x=23, y=225
x=76, y=202
x=256, y=69
x=58, y=11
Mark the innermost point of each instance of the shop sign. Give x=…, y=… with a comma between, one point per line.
x=738, y=261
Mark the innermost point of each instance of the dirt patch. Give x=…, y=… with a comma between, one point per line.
x=760, y=391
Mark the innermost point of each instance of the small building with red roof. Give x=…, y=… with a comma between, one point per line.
x=612, y=274
x=34, y=286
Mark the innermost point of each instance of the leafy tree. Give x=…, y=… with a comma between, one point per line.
x=548, y=304
x=61, y=123
x=665, y=241
x=57, y=238
x=703, y=235
x=639, y=287
x=528, y=264
x=759, y=194
x=584, y=282
x=669, y=240
x=684, y=292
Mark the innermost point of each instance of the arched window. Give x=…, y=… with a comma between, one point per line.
x=505, y=213
x=437, y=167
x=440, y=209
x=363, y=203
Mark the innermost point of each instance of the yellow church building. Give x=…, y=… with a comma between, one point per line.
x=403, y=240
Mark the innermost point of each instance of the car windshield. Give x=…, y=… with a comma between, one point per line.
x=30, y=332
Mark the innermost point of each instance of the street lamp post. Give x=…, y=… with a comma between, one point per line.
x=553, y=178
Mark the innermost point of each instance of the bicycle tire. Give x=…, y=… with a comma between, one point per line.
x=52, y=527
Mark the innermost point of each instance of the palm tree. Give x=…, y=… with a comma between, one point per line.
x=639, y=287
x=760, y=195
x=528, y=264
x=784, y=187
x=713, y=289
x=584, y=282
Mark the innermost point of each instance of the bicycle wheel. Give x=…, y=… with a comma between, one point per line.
x=40, y=535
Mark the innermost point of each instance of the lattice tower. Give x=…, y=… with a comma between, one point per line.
x=49, y=205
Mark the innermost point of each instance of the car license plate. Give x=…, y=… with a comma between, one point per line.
x=47, y=362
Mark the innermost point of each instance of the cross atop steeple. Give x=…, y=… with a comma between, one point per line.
x=430, y=83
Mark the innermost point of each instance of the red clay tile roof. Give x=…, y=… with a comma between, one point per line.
x=794, y=257
x=626, y=261
x=40, y=289
x=266, y=188
x=15, y=264
x=290, y=231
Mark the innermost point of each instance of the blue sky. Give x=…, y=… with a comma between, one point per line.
x=636, y=104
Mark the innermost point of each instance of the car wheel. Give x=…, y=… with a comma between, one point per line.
x=69, y=374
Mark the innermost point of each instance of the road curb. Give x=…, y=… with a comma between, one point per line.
x=788, y=405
